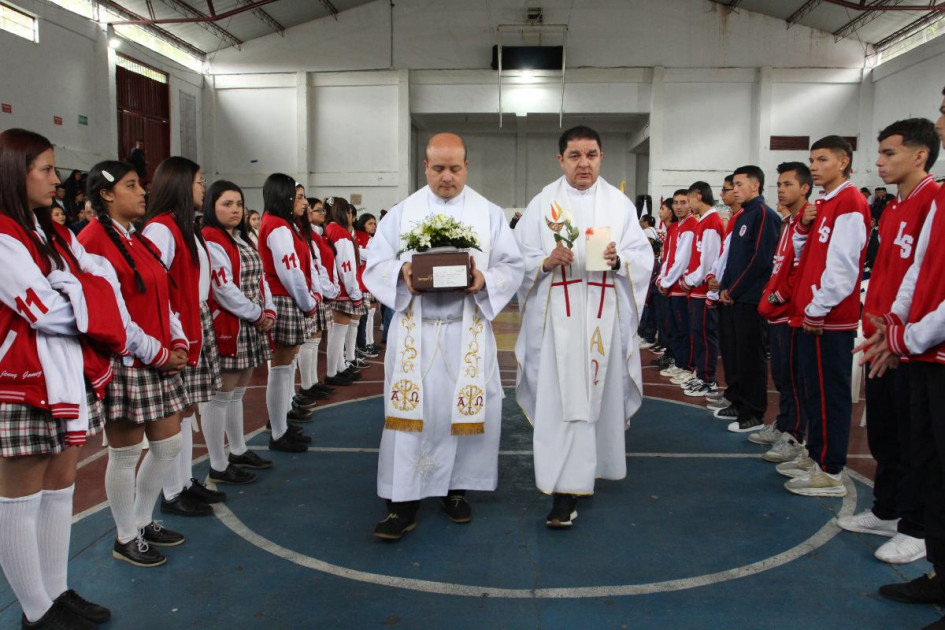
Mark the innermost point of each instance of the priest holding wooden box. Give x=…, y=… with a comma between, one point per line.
x=443, y=394
x=587, y=268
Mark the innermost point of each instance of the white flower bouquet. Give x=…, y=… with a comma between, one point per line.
x=439, y=230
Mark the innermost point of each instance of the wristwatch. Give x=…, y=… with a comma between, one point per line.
x=616, y=264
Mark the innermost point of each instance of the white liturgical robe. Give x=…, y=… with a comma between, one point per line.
x=430, y=462
x=580, y=407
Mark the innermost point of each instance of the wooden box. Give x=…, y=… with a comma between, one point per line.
x=447, y=270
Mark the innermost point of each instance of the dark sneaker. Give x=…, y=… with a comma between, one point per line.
x=353, y=374
x=84, y=608
x=138, y=552
x=287, y=445
x=202, y=493
x=746, y=424
x=185, y=505
x=339, y=380
x=375, y=349
x=396, y=524
x=727, y=413
x=926, y=589
x=232, y=474
x=563, y=511
x=359, y=363
x=59, y=617
x=457, y=508
x=155, y=534
x=299, y=415
x=366, y=353
x=250, y=459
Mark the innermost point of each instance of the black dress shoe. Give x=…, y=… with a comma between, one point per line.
x=138, y=552
x=299, y=415
x=925, y=589
x=340, y=379
x=286, y=444
x=59, y=617
x=185, y=505
x=301, y=401
x=202, y=493
x=155, y=534
x=353, y=374
x=315, y=392
x=325, y=389
x=250, y=459
x=457, y=508
x=296, y=433
x=84, y=608
x=563, y=511
x=401, y=518
x=232, y=474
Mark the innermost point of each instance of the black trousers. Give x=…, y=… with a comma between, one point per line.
x=897, y=489
x=750, y=365
x=682, y=345
x=790, y=417
x=727, y=349
x=704, y=337
x=927, y=414
x=825, y=366
x=664, y=323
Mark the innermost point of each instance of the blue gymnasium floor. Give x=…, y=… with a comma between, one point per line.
x=700, y=535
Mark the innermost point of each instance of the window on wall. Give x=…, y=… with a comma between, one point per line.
x=18, y=23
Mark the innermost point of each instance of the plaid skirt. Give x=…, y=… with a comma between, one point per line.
x=291, y=328
x=203, y=380
x=140, y=394
x=318, y=323
x=26, y=430
x=348, y=308
x=252, y=349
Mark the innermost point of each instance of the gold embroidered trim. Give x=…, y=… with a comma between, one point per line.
x=468, y=428
x=403, y=424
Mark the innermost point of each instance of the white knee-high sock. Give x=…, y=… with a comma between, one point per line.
x=290, y=386
x=157, y=465
x=316, y=342
x=369, y=330
x=277, y=400
x=19, y=553
x=53, y=531
x=178, y=479
x=213, y=421
x=120, y=489
x=306, y=357
x=351, y=340
x=234, y=422
x=336, y=343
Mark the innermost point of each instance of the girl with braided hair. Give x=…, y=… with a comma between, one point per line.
x=147, y=393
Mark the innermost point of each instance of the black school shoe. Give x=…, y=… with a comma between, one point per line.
x=286, y=444
x=84, y=608
x=155, y=534
x=138, y=552
x=314, y=392
x=925, y=589
x=563, y=511
x=185, y=505
x=325, y=389
x=59, y=617
x=202, y=493
x=457, y=507
x=340, y=380
x=250, y=459
x=232, y=474
x=297, y=414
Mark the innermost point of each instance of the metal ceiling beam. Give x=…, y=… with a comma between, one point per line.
x=148, y=25
x=861, y=6
x=869, y=14
x=906, y=31
x=332, y=9
x=799, y=15
x=204, y=21
x=264, y=17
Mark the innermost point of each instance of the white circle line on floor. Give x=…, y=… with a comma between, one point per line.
x=818, y=539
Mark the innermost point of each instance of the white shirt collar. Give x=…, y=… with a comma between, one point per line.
x=581, y=193
x=836, y=191
x=456, y=202
x=710, y=211
x=121, y=229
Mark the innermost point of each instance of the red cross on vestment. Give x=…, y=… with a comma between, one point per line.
x=603, y=287
x=564, y=283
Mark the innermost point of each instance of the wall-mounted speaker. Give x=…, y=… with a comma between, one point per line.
x=528, y=57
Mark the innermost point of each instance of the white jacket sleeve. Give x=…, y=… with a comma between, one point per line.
x=226, y=293
x=163, y=240
x=842, y=272
x=268, y=304
x=288, y=270
x=903, y=302
x=347, y=267
x=711, y=249
x=718, y=269
x=28, y=293
x=681, y=263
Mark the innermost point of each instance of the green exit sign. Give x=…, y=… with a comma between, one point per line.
x=83, y=120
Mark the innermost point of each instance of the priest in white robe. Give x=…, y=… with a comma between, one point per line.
x=442, y=413
x=579, y=375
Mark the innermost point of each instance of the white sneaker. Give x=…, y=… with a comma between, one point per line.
x=672, y=370
x=682, y=377
x=768, y=435
x=868, y=523
x=817, y=484
x=693, y=383
x=901, y=549
x=800, y=467
x=784, y=450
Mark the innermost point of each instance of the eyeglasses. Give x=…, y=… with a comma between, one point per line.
x=725, y=190
x=201, y=182
x=321, y=211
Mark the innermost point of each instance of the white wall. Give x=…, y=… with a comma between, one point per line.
x=71, y=72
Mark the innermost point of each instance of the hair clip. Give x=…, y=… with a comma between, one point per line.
x=108, y=176
x=330, y=201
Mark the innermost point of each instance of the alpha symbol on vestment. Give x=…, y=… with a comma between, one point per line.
x=470, y=400
x=405, y=395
